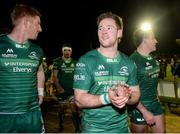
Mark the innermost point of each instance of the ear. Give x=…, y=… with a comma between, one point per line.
x=120, y=33
x=26, y=22
x=144, y=40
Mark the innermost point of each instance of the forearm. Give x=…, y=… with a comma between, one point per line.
x=40, y=84
x=141, y=108
x=134, y=96
x=40, y=77
x=86, y=100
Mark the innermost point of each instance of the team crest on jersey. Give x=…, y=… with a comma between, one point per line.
x=149, y=58
x=123, y=71
x=33, y=55
x=9, y=53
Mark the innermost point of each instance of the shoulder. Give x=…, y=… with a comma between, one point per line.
x=35, y=46
x=126, y=58
x=73, y=60
x=58, y=59
x=136, y=57
x=89, y=56
x=3, y=38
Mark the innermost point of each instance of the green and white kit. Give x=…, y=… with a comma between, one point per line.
x=97, y=74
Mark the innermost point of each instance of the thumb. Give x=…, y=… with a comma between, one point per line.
x=111, y=93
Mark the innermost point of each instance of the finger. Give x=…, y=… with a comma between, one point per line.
x=111, y=94
x=120, y=101
x=120, y=90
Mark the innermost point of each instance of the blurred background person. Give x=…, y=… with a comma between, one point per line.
x=63, y=73
x=148, y=111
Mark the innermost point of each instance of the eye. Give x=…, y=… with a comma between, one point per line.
x=109, y=28
x=100, y=28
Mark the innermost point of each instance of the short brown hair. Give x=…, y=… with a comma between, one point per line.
x=22, y=10
x=139, y=35
x=115, y=17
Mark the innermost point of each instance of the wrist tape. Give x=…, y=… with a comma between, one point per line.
x=105, y=99
x=41, y=91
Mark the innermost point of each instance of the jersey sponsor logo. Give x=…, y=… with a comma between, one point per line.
x=123, y=71
x=11, y=63
x=20, y=46
x=9, y=50
x=9, y=54
x=18, y=69
x=20, y=66
x=101, y=73
x=107, y=82
x=80, y=65
x=147, y=63
x=63, y=65
x=101, y=67
x=149, y=67
x=154, y=73
x=33, y=55
x=111, y=60
x=157, y=63
x=68, y=70
x=72, y=65
x=79, y=77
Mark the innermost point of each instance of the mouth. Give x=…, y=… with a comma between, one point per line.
x=105, y=37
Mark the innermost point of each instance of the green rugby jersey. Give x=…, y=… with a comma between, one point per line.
x=148, y=75
x=18, y=75
x=97, y=74
x=65, y=73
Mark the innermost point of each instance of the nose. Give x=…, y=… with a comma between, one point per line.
x=104, y=30
x=40, y=28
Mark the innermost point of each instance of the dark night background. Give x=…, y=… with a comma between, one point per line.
x=74, y=22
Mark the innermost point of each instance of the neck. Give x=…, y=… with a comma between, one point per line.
x=143, y=51
x=66, y=58
x=108, y=52
x=18, y=36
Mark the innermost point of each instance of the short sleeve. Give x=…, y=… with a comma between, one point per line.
x=133, y=75
x=82, y=75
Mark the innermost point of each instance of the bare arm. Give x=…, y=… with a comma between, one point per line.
x=85, y=100
x=41, y=80
x=134, y=96
x=148, y=116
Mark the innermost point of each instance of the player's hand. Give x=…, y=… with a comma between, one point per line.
x=149, y=118
x=118, y=97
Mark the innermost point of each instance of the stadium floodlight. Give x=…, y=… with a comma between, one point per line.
x=146, y=26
